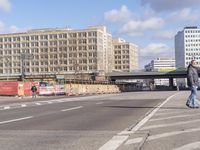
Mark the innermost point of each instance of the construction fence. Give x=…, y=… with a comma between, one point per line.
x=16, y=88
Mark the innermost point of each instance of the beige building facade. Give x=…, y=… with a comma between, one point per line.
x=125, y=55
x=57, y=51
x=65, y=51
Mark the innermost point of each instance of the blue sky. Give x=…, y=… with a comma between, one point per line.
x=151, y=24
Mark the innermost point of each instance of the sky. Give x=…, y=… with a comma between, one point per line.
x=150, y=24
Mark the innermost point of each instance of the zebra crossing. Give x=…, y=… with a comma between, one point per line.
x=172, y=127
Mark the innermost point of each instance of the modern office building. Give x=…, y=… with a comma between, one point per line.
x=187, y=46
x=57, y=50
x=161, y=65
x=125, y=55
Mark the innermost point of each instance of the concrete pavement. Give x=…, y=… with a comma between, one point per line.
x=172, y=127
x=126, y=121
x=79, y=123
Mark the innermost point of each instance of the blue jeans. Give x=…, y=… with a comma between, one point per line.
x=33, y=94
x=192, y=99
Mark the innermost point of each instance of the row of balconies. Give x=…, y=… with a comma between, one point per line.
x=66, y=41
x=68, y=48
x=47, y=37
x=49, y=69
x=43, y=46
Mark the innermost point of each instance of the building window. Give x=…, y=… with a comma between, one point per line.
x=44, y=37
x=53, y=36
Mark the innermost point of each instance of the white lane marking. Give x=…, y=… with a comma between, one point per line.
x=169, y=125
x=72, y=108
x=169, y=113
x=60, y=101
x=165, y=109
x=180, y=116
x=191, y=146
x=174, y=112
x=143, y=121
x=6, y=107
x=38, y=103
x=168, y=134
x=164, y=135
x=99, y=103
x=134, y=141
x=14, y=120
x=114, y=143
x=23, y=105
x=50, y=102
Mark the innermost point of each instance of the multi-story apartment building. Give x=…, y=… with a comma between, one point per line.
x=57, y=50
x=187, y=46
x=125, y=55
x=161, y=65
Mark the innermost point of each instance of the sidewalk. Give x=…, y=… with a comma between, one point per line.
x=173, y=127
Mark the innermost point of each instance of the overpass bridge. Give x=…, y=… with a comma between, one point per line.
x=148, y=75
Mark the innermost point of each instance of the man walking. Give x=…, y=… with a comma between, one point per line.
x=193, y=83
x=34, y=90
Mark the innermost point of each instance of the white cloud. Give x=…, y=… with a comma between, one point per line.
x=10, y=29
x=185, y=14
x=118, y=15
x=5, y=5
x=156, y=49
x=14, y=29
x=136, y=27
x=168, y=5
x=131, y=24
x=2, y=26
x=165, y=35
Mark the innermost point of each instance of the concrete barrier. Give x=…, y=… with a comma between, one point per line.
x=90, y=89
x=68, y=89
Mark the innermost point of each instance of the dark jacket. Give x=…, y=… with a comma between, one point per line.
x=192, y=76
x=33, y=89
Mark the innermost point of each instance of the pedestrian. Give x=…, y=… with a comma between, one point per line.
x=193, y=83
x=34, y=90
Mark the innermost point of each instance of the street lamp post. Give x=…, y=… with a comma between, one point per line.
x=23, y=71
x=75, y=65
x=6, y=62
x=24, y=56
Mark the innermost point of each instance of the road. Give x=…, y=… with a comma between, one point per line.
x=72, y=123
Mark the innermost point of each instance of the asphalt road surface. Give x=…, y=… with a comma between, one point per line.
x=72, y=123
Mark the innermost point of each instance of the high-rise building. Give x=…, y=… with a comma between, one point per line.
x=57, y=50
x=125, y=55
x=187, y=46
